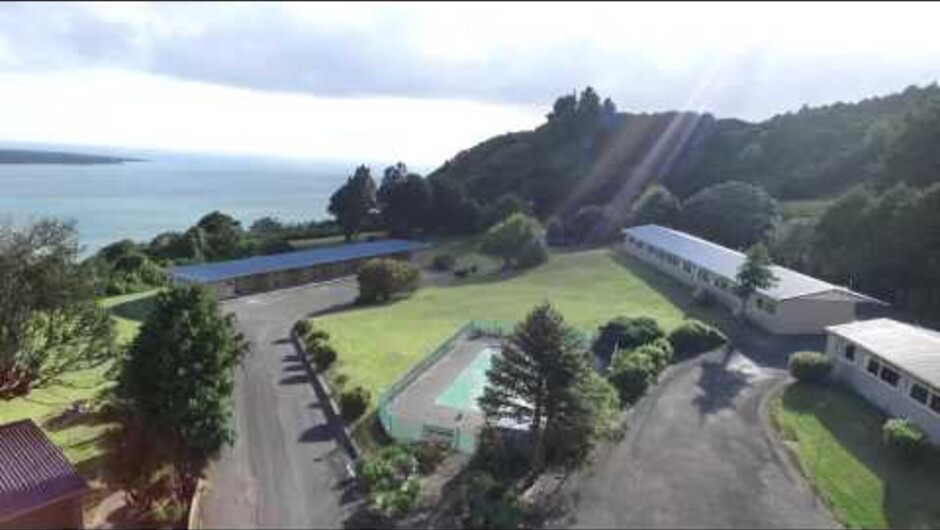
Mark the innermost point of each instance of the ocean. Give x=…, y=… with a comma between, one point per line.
x=169, y=191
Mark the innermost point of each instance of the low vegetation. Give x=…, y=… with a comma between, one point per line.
x=904, y=437
x=633, y=371
x=625, y=333
x=694, y=337
x=353, y=403
x=518, y=241
x=383, y=278
x=838, y=438
x=810, y=366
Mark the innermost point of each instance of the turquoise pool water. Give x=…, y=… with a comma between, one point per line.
x=463, y=393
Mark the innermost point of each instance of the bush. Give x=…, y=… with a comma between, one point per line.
x=380, y=279
x=389, y=478
x=514, y=241
x=809, y=366
x=632, y=373
x=905, y=437
x=429, y=455
x=659, y=352
x=443, y=262
x=693, y=337
x=532, y=254
x=323, y=356
x=302, y=328
x=626, y=334
x=354, y=403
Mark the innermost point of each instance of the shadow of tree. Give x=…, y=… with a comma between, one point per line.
x=137, y=309
x=295, y=380
x=317, y=433
x=719, y=386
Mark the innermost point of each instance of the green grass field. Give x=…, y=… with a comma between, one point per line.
x=43, y=405
x=378, y=344
x=837, y=438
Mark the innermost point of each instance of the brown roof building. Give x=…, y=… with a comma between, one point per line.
x=39, y=488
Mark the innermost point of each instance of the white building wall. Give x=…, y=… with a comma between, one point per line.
x=794, y=316
x=893, y=400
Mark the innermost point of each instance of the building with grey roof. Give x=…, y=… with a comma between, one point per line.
x=797, y=304
x=276, y=271
x=39, y=488
x=894, y=365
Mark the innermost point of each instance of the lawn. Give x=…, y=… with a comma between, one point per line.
x=836, y=436
x=378, y=344
x=46, y=405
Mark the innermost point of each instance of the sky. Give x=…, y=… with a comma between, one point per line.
x=419, y=81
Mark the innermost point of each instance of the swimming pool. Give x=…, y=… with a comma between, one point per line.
x=466, y=389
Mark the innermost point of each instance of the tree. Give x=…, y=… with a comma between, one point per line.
x=625, y=333
x=220, y=237
x=657, y=206
x=49, y=321
x=353, y=201
x=590, y=225
x=177, y=378
x=507, y=205
x=535, y=380
x=453, y=210
x=732, y=213
x=755, y=273
x=510, y=238
x=405, y=201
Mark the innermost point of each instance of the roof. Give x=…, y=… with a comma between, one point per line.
x=725, y=261
x=226, y=270
x=914, y=349
x=33, y=471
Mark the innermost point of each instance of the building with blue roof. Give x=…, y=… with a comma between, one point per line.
x=276, y=271
x=797, y=304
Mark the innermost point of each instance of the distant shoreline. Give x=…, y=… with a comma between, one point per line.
x=31, y=157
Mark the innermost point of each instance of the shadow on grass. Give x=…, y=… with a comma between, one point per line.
x=910, y=499
x=137, y=309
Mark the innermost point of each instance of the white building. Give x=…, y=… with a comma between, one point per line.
x=895, y=366
x=796, y=304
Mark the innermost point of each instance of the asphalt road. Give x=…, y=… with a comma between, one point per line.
x=285, y=469
x=696, y=455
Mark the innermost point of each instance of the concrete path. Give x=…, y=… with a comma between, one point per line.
x=697, y=455
x=285, y=469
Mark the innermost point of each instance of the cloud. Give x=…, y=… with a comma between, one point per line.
x=646, y=56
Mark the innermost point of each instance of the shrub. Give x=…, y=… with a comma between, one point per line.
x=323, y=356
x=626, y=334
x=809, y=366
x=512, y=240
x=693, y=337
x=302, y=328
x=905, y=437
x=631, y=373
x=354, y=403
x=443, y=262
x=389, y=478
x=659, y=352
x=532, y=254
x=380, y=279
x=429, y=455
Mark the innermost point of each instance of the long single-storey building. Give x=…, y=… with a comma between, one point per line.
x=39, y=488
x=797, y=304
x=894, y=365
x=276, y=271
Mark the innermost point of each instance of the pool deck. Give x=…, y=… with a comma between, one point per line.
x=417, y=403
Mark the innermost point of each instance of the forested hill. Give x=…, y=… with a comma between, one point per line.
x=29, y=156
x=588, y=153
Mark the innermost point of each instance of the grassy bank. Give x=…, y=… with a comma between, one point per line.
x=837, y=436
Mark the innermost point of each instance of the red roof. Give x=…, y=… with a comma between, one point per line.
x=33, y=471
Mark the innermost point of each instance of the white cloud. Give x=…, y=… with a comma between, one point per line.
x=107, y=107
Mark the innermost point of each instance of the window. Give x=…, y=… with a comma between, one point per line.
x=889, y=376
x=935, y=403
x=850, y=352
x=873, y=366
x=919, y=393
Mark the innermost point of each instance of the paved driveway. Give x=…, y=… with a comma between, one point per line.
x=285, y=469
x=696, y=455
